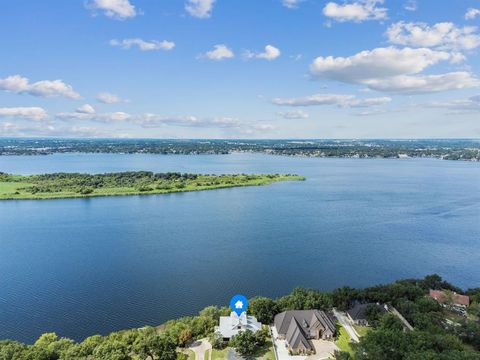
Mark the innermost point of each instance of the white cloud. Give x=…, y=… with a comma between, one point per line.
x=459, y=106
x=291, y=4
x=219, y=52
x=116, y=9
x=108, y=98
x=270, y=53
x=442, y=35
x=151, y=120
x=200, y=8
x=332, y=99
x=30, y=113
x=294, y=114
x=376, y=63
x=393, y=70
x=419, y=84
x=118, y=116
x=85, y=109
x=45, y=88
x=142, y=44
x=356, y=11
x=472, y=14
x=318, y=99
x=411, y=5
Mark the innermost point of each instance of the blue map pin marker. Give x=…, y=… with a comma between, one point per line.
x=239, y=304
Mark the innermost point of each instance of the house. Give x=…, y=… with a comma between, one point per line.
x=444, y=297
x=299, y=327
x=233, y=324
x=358, y=314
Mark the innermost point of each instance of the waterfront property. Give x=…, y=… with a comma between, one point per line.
x=358, y=314
x=449, y=299
x=233, y=324
x=299, y=327
x=455, y=299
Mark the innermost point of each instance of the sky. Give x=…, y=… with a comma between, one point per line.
x=240, y=69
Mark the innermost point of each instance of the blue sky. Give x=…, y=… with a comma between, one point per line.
x=240, y=68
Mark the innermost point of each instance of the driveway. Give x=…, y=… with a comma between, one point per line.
x=323, y=350
x=199, y=347
x=343, y=320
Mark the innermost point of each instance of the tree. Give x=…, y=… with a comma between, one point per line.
x=216, y=340
x=344, y=297
x=373, y=313
x=264, y=309
x=111, y=350
x=244, y=343
x=342, y=355
x=390, y=322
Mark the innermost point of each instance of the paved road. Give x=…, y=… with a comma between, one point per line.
x=199, y=347
x=343, y=320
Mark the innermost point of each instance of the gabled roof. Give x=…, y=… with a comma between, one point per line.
x=295, y=325
x=295, y=336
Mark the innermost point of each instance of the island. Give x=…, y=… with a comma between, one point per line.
x=77, y=185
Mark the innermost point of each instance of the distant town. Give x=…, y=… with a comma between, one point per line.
x=408, y=319
x=467, y=150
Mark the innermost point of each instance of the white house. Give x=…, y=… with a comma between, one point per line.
x=233, y=324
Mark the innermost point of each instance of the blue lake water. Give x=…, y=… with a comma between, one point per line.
x=86, y=266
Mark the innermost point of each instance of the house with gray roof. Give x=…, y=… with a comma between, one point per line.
x=299, y=327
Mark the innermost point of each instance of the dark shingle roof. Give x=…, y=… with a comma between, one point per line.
x=295, y=325
x=359, y=311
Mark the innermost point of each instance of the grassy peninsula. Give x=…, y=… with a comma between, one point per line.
x=71, y=185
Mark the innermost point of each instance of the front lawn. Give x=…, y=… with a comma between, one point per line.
x=361, y=330
x=220, y=354
x=343, y=341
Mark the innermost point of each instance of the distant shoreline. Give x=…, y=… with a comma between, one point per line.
x=465, y=150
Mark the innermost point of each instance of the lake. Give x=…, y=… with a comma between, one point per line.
x=85, y=266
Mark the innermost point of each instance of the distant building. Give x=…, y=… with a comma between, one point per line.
x=299, y=327
x=444, y=298
x=358, y=314
x=233, y=324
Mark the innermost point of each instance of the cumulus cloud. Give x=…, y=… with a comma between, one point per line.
x=108, y=98
x=393, y=70
x=291, y=4
x=356, y=11
x=377, y=63
x=200, y=8
x=270, y=53
x=294, y=114
x=29, y=113
x=332, y=99
x=442, y=35
x=115, y=9
x=44, y=88
x=85, y=109
x=219, y=52
x=472, y=13
x=142, y=44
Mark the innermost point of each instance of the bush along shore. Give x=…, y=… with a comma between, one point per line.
x=71, y=185
x=437, y=333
